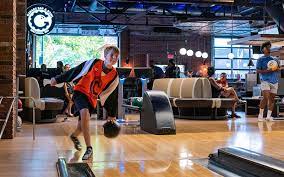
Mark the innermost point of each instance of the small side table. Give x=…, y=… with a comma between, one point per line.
x=252, y=107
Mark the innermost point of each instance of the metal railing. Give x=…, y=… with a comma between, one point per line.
x=7, y=116
x=34, y=105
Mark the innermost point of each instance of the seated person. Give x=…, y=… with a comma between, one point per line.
x=68, y=89
x=158, y=73
x=228, y=92
x=42, y=75
x=222, y=90
x=59, y=68
x=189, y=73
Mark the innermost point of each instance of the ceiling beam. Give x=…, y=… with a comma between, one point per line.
x=81, y=16
x=221, y=2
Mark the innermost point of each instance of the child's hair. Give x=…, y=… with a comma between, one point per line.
x=112, y=49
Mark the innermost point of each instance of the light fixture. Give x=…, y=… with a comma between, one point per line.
x=204, y=55
x=228, y=65
x=190, y=53
x=198, y=54
x=250, y=64
x=231, y=56
x=182, y=51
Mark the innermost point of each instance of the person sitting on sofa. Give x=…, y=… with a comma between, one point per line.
x=220, y=90
x=69, y=90
x=228, y=90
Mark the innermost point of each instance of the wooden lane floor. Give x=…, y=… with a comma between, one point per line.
x=135, y=153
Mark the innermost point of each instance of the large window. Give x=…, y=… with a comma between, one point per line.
x=71, y=50
x=238, y=65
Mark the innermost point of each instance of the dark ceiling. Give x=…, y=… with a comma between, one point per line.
x=213, y=17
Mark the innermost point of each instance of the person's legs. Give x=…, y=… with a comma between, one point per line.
x=69, y=107
x=265, y=88
x=232, y=93
x=74, y=136
x=85, y=121
x=85, y=126
x=78, y=130
x=83, y=108
x=271, y=101
x=263, y=103
x=233, y=96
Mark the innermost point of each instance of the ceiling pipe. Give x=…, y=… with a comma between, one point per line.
x=277, y=14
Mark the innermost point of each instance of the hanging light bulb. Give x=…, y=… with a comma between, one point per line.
x=182, y=51
x=231, y=56
x=204, y=55
x=190, y=53
x=198, y=54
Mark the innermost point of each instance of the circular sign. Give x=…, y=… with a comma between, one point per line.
x=40, y=19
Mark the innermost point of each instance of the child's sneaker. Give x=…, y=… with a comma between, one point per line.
x=270, y=119
x=76, y=142
x=260, y=119
x=88, y=154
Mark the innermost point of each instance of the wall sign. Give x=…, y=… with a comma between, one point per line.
x=40, y=19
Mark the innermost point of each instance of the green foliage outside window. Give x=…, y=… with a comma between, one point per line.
x=71, y=50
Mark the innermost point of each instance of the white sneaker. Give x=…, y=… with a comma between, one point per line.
x=260, y=118
x=270, y=119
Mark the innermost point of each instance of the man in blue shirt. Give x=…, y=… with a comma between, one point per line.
x=269, y=82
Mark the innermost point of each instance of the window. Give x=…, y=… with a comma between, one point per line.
x=238, y=65
x=71, y=50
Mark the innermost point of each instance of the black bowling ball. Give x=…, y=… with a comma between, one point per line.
x=111, y=129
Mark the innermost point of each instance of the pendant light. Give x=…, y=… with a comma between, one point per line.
x=231, y=55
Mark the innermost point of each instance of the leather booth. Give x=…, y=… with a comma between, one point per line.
x=46, y=108
x=192, y=98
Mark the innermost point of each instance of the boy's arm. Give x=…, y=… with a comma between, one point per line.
x=69, y=75
x=111, y=103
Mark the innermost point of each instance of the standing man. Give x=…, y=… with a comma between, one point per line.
x=269, y=82
x=172, y=71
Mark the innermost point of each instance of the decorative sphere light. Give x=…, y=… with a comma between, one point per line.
x=198, y=54
x=231, y=55
x=204, y=55
x=255, y=56
x=228, y=65
x=182, y=51
x=190, y=53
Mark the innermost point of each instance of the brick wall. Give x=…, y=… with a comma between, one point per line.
x=135, y=47
x=21, y=36
x=8, y=56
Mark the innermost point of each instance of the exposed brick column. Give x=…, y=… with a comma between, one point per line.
x=21, y=36
x=8, y=56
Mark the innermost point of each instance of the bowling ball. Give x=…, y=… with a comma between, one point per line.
x=111, y=129
x=272, y=65
x=137, y=101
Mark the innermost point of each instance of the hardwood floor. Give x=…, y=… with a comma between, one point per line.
x=136, y=153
